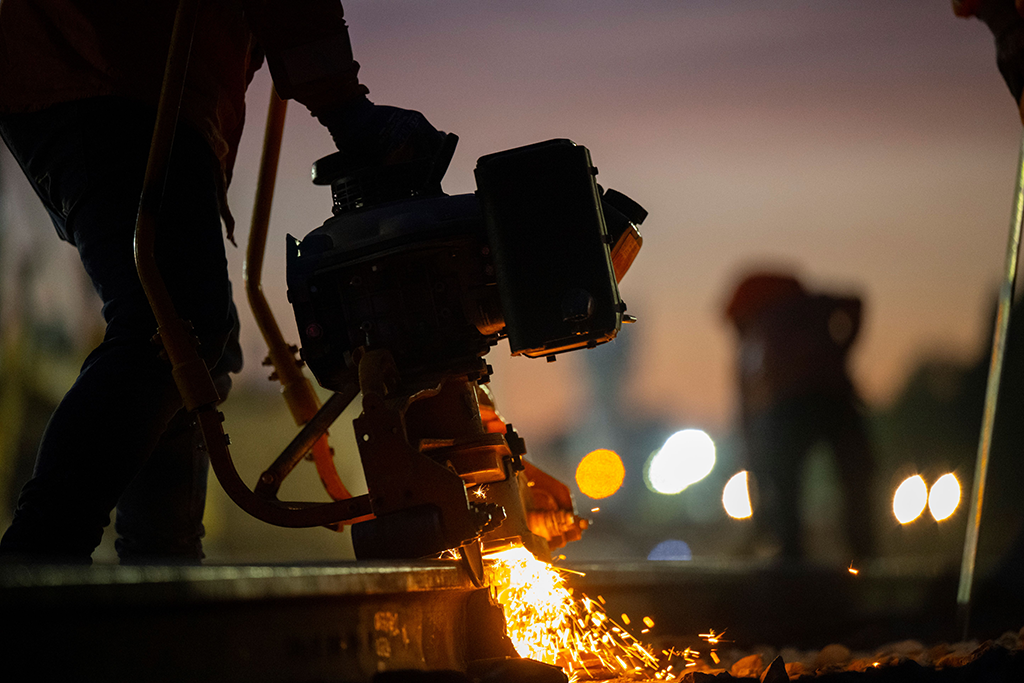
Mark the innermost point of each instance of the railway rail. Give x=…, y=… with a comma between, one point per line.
x=259, y=623
x=349, y=622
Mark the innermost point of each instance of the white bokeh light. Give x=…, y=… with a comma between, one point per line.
x=910, y=499
x=687, y=457
x=944, y=497
x=736, y=497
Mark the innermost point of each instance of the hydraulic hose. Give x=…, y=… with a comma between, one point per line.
x=192, y=377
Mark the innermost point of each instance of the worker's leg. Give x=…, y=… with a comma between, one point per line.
x=847, y=432
x=160, y=514
x=778, y=440
x=86, y=161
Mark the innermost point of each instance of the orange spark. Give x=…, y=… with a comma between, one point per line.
x=545, y=622
x=714, y=638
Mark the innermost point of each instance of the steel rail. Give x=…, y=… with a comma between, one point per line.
x=344, y=622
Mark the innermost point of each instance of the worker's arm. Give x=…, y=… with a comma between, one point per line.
x=968, y=8
x=1005, y=18
x=310, y=58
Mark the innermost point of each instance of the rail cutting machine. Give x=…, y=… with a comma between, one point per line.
x=398, y=297
x=405, y=290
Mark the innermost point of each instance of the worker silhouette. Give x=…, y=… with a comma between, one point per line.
x=795, y=392
x=79, y=84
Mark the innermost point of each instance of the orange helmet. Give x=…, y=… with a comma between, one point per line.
x=760, y=290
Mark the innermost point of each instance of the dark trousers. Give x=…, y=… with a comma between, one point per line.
x=778, y=441
x=120, y=437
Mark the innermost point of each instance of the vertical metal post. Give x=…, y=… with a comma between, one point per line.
x=995, y=371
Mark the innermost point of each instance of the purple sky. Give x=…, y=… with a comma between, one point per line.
x=870, y=145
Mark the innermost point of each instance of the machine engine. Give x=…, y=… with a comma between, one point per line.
x=404, y=290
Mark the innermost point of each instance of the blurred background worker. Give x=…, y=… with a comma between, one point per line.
x=795, y=391
x=79, y=84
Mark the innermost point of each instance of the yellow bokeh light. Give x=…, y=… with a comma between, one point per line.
x=910, y=499
x=736, y=497
x=600, y=473
x=687, y=457
x=944, y=497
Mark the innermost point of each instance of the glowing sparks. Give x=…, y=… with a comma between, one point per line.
x=545, y=622
x=688, y=656
x=714, y=638
x=852, y=570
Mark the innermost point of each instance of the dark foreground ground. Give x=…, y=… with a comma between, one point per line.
x=358, y=622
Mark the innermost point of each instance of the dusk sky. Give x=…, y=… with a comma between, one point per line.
x=871, y=146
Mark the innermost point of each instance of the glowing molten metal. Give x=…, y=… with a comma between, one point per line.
x=545, y=622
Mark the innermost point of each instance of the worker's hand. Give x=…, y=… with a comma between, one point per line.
x=1005, y=18
x=374, y=135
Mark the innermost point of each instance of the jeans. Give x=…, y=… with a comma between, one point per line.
x=778, y=442
x=120, y=436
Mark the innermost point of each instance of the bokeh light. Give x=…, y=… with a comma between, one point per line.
x=687, y=457
x=944, y=497
x=736, y=497
x=600, y=473
x=670, y=550
x=910, y=499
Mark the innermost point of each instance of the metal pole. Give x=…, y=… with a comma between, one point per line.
x=995, y=371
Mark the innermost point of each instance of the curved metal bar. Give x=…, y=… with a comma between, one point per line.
x=294, y=515
x=190, y=372
x=295, y=386
x=270, y=481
